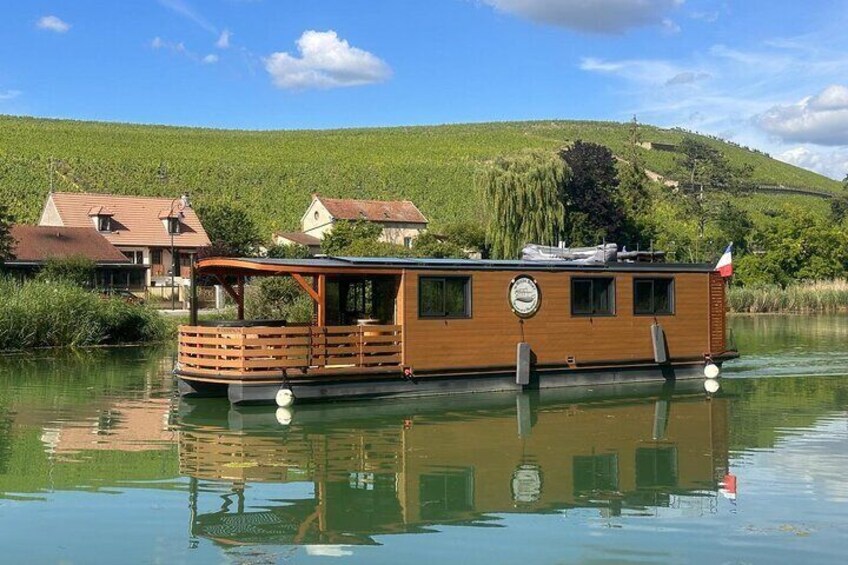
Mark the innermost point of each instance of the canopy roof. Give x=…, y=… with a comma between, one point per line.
x=250, y=266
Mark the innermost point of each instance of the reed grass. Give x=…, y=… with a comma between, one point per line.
x=818, y=296
x=43, y=314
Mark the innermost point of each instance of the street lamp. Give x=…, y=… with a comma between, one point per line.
x=183, y=202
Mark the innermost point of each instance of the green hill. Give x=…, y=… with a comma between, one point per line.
x=273, y=173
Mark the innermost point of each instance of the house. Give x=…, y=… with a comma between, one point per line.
x=401, y=221
x=33, y=246
x=310, y=242
x=144, y=229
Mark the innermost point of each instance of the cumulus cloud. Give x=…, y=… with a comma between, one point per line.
x=821, y=119
x=209, y=59
x=325, y=61
x=223, y=40
x=593, y=16
x=833, y=164
x=53, y=23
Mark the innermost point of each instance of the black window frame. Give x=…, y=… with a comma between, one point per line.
x=594, y=314
x=174, y=227
x=468, y=294
x=104, y=223
x=672, y=296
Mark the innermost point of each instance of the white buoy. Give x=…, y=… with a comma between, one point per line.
x=284, y=416
x=284, y=397
x=711, y=371
x=711, y=386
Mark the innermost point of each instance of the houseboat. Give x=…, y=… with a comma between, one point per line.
x=395, y=327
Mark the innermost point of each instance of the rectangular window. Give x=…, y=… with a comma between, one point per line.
x=593, y=296
x=173, y=226
x=444, y=297
x=653, y=296
x=104, y=223
x=155, y=256
x=135, y=257
x=407, y=242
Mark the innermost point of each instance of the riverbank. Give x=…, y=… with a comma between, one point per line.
x=822, y=296
x=42, y=314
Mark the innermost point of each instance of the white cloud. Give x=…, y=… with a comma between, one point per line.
x=821, y=119
x=176, y=47
x=209, y=59
x=593, y=16
x=325, y=61
x=641, y=71
x=53, y=23
x=829, y=163
x=9, y=94
x=223, y=40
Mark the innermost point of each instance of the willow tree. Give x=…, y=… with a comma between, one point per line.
x=522, y=201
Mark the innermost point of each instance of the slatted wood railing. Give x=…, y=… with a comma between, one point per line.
x=272, y=352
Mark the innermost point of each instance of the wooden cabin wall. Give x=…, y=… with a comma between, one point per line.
x=489, y=337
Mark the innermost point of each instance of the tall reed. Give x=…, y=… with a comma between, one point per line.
x=818, y=296
x=43, y=314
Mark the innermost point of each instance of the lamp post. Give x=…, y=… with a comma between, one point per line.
x=184, y=202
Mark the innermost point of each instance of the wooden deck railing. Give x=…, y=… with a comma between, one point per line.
x=272, y=352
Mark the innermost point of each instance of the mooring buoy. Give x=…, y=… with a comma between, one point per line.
x=284, y=398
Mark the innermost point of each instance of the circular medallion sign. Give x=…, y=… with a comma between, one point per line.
x=524, y=296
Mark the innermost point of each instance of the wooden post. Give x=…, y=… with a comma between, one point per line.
x=322, y=300
x=240, y=297
x=192, y=315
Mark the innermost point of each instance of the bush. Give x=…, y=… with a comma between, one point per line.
x=278, y=298
x=76, y=270
x=824, y=296
x=44, y=314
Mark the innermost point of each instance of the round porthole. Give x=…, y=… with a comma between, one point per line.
x=315, y=215
x=524, y=296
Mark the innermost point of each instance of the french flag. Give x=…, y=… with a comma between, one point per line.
x=725, y=263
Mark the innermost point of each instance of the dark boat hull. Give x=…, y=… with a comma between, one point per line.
x=383, y=386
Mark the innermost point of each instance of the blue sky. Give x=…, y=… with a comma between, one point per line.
x=766, y=74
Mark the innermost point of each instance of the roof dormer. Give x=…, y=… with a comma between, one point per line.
x=101, y=217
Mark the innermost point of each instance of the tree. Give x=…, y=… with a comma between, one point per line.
x=344, y=233
x=633, y=180
x=7, y=243
x=230, y=228
x=706, y=175
x=524, y=204
x=469, y=236
x=284, y=251
x=429, y=245
x=360, y=239
x=594, y=210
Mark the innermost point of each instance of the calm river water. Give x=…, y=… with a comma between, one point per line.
x=101, y=463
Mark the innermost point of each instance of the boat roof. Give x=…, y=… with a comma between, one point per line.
x=267, y=266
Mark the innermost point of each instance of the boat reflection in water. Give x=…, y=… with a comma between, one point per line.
x=341, y=474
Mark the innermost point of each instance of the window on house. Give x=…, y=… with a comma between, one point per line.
x=653, y=296
x=104, y=223
x=173, y=226
x=444, y=297
x=407, y=242
x=135, y=257
x=593, y=296
x=156, y=256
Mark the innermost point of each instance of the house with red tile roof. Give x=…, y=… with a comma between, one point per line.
x=401, y=220
x=146, y=230
x=34, y=246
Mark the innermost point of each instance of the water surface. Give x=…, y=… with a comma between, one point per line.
x=101, y=463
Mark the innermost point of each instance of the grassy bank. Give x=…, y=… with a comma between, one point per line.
x=823, y=296
x=40, y=314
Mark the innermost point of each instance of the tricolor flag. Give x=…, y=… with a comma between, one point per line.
x=725, y=263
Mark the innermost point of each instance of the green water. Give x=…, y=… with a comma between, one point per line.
x=101, y=463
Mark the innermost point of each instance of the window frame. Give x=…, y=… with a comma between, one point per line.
x=594, y=314
x=104, y=223
x=174, y=227
x=672, y=300
x=444, y=278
